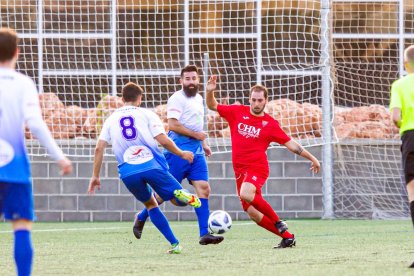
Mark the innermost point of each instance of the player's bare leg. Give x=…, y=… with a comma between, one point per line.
x=247, y=192
x=22, y=224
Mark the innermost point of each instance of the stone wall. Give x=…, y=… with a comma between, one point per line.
x=291, y=189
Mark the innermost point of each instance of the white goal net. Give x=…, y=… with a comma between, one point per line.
x=80, y=54
x=368, y=42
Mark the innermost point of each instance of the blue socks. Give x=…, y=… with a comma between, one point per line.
x=23, y=252
x=161, y=222
x=202, y=215
x=143, y=215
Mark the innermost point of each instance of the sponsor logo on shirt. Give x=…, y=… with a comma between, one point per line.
x=248, y=131
x=6, y=153
x=137, y=155
x=137, y=152
x=245, y=117
x=264, y=123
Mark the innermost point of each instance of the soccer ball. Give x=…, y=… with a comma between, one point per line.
x=219, y=222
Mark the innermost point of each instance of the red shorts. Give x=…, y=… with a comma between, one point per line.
x=257, y=181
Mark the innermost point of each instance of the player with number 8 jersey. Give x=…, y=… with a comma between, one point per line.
x=134, y=133
x=136, y=151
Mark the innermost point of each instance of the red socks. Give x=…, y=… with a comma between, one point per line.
x=269, y=216
x=264, y=207
x=267, y=224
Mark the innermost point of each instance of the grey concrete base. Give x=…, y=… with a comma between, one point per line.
x=290, y=189
x=363, y=188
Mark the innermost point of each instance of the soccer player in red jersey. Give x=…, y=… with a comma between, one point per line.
x=252, y=130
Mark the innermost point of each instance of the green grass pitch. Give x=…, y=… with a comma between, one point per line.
x=324, y=247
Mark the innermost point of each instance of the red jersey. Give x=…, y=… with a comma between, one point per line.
x=250, y=138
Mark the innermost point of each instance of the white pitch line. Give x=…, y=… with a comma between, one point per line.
x=108, y=228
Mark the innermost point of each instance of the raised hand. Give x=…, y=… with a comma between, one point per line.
x=212, y=83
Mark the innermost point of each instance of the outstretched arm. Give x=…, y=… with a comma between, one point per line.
x=210, y=99
x=295, y=147
x=169, y=144
x=95, y=182
x=39, y=129
x=176, y=126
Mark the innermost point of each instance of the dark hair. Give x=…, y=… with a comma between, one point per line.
x=8, y=44
x=189, y=68
x=259, y=88
x=131, y=92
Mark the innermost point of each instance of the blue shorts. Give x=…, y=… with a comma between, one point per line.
x=181, y=168
x=163, y=183
x=16, y=201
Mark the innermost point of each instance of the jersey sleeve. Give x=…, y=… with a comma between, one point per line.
x=105, y=133
x=174, y=108
x=33, y=117
x=278, y=135
x=395, y=100
x=31, y=106
x=155, y=125
x=227, y=111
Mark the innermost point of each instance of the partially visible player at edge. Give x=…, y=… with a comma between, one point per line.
x=134, y=133
x=19, y=105
x=252, y=130
x=402, y=114
x=185, y=113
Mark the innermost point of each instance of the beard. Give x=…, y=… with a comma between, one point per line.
x=190, y=91
x=257, y=111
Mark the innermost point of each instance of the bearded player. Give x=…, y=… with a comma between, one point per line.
x=252, y=130
x=185, y=113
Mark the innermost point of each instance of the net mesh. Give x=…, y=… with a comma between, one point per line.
x=80, y=53
x=367, y=38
